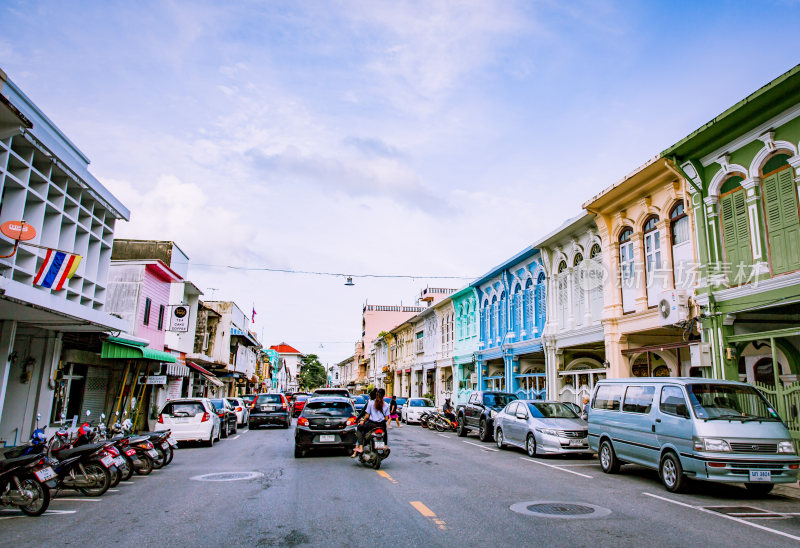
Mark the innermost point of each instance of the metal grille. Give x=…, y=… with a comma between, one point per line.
x=560, y=509
x=577, y=434
x=754, y=447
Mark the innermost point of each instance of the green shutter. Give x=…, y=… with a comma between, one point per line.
x=736, y=235
x=783, y=221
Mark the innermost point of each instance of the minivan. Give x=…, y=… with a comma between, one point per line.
x=696, y=428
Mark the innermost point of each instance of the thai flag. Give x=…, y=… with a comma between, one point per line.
x=57, y=268
x=253, y=317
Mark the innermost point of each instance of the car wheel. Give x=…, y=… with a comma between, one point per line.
x=759, y=489
x=298, y=453
x=483, y=432
x=530, y=445
x=672, y=473
x=210, y=441
x=608, y=458
x=250, y=426
x=235, y=427
x=498, y=438
x=462, y=430
x=288, y=423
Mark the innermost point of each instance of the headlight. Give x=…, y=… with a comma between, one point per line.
x=492, y=413
x=548, y=431
x=711, y=444
x=785, y=447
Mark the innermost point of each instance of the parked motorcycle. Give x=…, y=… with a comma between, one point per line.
x=26, y=477
x=375, y=449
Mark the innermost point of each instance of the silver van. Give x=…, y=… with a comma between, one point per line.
x=691, y=428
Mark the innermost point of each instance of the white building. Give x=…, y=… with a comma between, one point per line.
x=290, y=359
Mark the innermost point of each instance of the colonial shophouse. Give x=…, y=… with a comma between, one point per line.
x=510, y=353
x=573, y=335
x=467, y=336
x=743, y=172
x=646, y=231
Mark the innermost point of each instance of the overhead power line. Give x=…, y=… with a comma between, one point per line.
x=333, y=274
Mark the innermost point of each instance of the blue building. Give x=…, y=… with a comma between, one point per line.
x=511, y=300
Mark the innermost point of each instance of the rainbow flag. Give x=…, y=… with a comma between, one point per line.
x=57, y=268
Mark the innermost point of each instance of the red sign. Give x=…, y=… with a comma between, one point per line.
x=17, y=230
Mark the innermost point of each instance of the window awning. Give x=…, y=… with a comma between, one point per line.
x=236, y=332
x=116, y=348
x=208, y=375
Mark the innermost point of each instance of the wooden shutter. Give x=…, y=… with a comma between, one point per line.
x=736, y=235
x=783, y=222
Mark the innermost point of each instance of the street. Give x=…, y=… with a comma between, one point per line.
x=434, y=490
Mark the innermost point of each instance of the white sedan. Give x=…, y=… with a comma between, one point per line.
x=415, y=407
x=190, y=419
x=241, y=409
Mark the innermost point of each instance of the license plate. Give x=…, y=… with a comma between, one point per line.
x=107, y=461
x=164, y=445
x=130, y=452
x=45, y=474
x=119, y=461
x=180, y=420
x=172, y=441
x=268, y=408
x=576, y=443
x=379, y=445
x=760, y=475
x=153, y=453
x=327, y=437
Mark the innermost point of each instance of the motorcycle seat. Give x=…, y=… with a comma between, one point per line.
x=18, y=461
x=68, y=452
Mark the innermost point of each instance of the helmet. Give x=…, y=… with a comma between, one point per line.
x=38, y=436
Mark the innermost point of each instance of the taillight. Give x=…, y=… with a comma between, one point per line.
x=283, y=402
x=220, y=414
x=379, y=431
x=206, y=416
x=351, y=421
x=148, y=445
x=160, y=418
x=302, y=421
x=239, y=409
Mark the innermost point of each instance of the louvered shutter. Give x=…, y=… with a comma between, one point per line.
x=736, y=235
x=94, y=395
x=783, y=225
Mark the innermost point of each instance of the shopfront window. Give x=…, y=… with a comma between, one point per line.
x=68, y=396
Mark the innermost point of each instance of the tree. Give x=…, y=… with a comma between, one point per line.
x=312, y=373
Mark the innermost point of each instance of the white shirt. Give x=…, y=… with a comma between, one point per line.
x=376, y=415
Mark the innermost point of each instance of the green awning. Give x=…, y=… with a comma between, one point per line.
x=122, y=349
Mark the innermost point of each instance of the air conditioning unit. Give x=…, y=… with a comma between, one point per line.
x=673, y=307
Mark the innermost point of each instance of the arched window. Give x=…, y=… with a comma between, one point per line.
x=595, y=277
x=502, y=321
x=578, y=300
x=682, y=271
x=763, y=371
x=541, y=297
x=517, y=309
x=529, y=299
x=563, y=295
x=652, y=260
x=486, y=321
x=779, y=193
x=736, y=246
x=679, y=228
x=626, y=270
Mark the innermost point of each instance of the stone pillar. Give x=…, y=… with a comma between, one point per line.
x=8, y=331
x=758, y=232
x=639, y=271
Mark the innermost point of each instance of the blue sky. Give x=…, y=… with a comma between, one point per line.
x=383, y=137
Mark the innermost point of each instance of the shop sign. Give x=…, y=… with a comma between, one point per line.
x=156, y=379
x=473, y=378
x=179, y=318
x=174, y=388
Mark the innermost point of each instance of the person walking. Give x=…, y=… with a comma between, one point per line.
x=585, y=414
x=393, y=413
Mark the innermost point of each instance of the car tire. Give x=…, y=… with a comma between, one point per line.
x=288, y=423
x=530, y=445
x=298, y=453
x=462, y=429
x=671, y=473
x=250, y=426
x=609, y=462
x=210, y=441
x=235, y=427
x=223, y=433
x=484, y=433
x=498, y=438
x=759, y=489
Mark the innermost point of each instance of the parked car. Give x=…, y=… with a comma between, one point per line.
x=575, y=407
x=190, y=419
x=359, y=402
x=541, y=427
x=248, y=399
x=479, y=412
x=712, y=430
x=340, y=392
x=227, y=416
x=240, y=408
x=270, y=409
x=327, y=421
x=298, y=401
x=414, y=408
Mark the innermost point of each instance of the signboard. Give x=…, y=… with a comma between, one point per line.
x=17, y=230
x=179, y=318
x=156, y=379
x=174, y=389
x=473, y=378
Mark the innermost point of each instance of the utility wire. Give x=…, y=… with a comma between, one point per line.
x=334, y=274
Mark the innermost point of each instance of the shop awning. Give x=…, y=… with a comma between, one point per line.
x=177, y=370
x=656, y=347
x=206, y=374
x=116, y=348
x=236, y=332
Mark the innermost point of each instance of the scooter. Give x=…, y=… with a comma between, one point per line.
x=26, y=476
x=375, y=449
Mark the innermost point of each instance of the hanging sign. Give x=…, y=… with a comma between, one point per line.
x=179, y=318
x=156, y=379
x=17, y=230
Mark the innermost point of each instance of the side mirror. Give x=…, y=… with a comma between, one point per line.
x=522, y=416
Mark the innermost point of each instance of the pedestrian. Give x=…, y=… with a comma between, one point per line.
x=393, y=413
x=585, y=414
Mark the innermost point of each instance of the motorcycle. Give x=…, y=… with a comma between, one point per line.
x=423, y=419
x=441, y=422
x=375, y=449
x=26, y=477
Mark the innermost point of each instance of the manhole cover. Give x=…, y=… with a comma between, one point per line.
x=556, y=509
x=228, y=476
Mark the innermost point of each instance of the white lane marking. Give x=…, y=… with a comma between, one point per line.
x=244, y=432
x=127, y=482
x=738, y=520
x=47, y=513
x=587, y=464
x=481, y=446
x=236, y=437
x=59, y=499
x=116, y=490
x=443, y=435
x=526, y=459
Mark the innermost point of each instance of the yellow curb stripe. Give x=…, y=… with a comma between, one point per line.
x=422, y=509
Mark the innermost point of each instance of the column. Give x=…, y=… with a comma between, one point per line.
x=666, y=280
x=570, y=304
x=758, y=233
x=639, y=271
x=8, y=330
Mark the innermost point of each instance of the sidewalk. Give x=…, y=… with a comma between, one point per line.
x=787, y=490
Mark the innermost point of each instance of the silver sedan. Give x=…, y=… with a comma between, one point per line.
x=541, y=427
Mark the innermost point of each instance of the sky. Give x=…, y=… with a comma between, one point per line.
x=428, y=138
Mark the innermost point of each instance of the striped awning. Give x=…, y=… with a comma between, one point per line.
x=177, y=370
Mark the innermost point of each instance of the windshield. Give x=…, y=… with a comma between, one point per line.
x=421, y=403
x=729, y=402
x=401, y=401
x=498, y=400
x=359, y=400
x=551, y=411
x=219, y=404
x=328, y=409
x=269, y=398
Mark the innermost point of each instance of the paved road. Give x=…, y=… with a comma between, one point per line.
x=434, y=490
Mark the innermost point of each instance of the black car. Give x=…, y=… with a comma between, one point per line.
x=228, y=424
x=270, y=409
x=360, y=402
x=327, y=421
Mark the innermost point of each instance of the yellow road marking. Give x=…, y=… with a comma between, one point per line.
x=383, y=474
x=428, y=513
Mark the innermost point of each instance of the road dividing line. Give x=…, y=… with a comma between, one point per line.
x=481, y=446
x=58, y=499
x=383, y=474
x=236, y=437
x=127, y=482
x=738, y=520
x=557, y=467
x=443, y=435
x=428, y=513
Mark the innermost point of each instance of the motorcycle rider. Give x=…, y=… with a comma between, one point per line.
x=376, y=411
x=447, y=409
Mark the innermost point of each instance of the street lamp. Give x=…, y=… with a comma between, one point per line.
x=349, y=281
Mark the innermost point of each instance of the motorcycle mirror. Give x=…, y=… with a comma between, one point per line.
x=38, y=417
x=102, y=416
x=116, y=413
x=88, y=412
x=133, y=403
